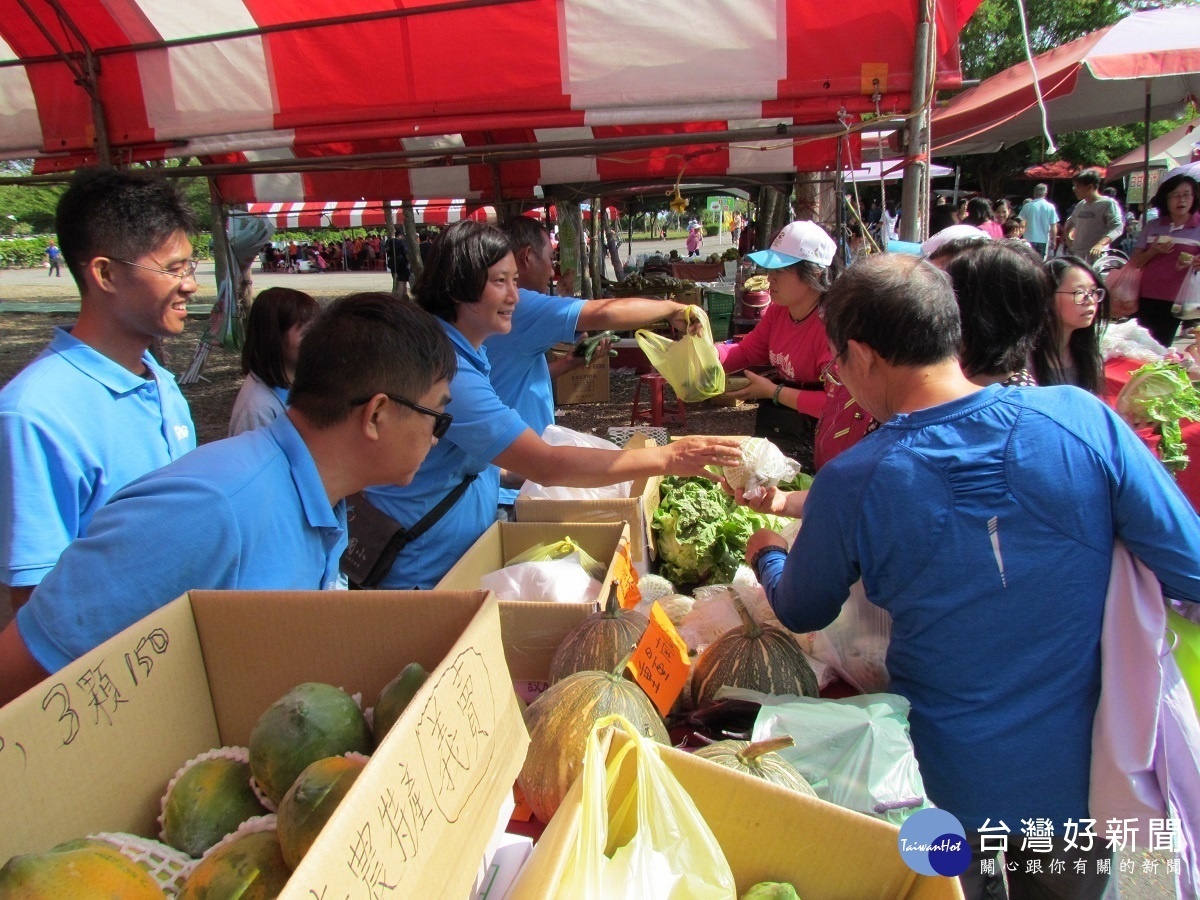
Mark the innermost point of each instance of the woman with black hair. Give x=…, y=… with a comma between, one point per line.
x=1167, y=249
x=1004, y=301
x=277, y=321
x=470, y=284
x=1069, y=351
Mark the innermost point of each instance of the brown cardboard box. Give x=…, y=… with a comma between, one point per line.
x=768, y=833
x=586, y=385
x=637, y=509
x=605, y=542
x=92, y=747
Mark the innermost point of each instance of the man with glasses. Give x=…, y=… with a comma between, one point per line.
x=95, y=410
x=263, y=510
x=983, y=519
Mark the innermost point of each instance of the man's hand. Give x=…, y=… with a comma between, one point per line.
x=679, y=320
x=689, y=455
x=1097, y=251
x=565, y=364
x=764, y=537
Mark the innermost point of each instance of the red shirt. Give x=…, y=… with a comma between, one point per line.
x=798, y=350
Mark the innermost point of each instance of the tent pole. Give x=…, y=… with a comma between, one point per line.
x=1146, y=160
x=912, y=220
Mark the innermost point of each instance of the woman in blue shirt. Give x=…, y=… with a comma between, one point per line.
x=470, y=283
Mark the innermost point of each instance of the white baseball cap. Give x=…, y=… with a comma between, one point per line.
x=797, y=242
x=953, y=233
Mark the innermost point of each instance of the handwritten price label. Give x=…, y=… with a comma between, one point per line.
x=625, y=577
x=660, y=661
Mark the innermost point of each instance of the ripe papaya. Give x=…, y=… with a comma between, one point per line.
x=207, y=800
x=84, y=869
x=248, y=867
x=311, y=800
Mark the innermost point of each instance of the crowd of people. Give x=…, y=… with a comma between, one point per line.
x=949, y=400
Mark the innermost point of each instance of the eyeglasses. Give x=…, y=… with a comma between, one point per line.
x=1080, y=296
x=829, y=374
x=187, y=270
x=442, y=420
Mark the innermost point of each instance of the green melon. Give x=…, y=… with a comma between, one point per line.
x=771, y=890
x=84, y=869
x=208, y=800
x=396, y=696
x=248, y=867
x=309, y=722
x=313, y=797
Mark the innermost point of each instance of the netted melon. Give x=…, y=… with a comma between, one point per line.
x=311, y=800
x=246, y=866
x=309, y=722
x=207, y=799
x=83, y=869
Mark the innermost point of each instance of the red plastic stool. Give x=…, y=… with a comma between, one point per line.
x=655, y=415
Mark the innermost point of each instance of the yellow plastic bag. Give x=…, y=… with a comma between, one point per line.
x=691, y=364
x=642, y=839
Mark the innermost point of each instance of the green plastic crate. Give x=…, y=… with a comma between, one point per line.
x=719, y=307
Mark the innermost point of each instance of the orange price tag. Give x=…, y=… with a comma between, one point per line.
x=629, y=594
x=660, y=661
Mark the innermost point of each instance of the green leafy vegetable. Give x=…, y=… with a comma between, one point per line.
x=1161, y=393
x=701, y=533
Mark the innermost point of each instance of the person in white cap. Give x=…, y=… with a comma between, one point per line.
x=789, y=340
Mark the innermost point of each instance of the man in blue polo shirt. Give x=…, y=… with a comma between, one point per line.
x=519, y=371
x=262, y=510
x=95, y=411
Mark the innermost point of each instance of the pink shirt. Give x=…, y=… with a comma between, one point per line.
x=798, y=350
x=992, y=229
x=1162, y=275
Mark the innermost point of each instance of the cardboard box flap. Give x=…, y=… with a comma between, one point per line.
x=453, y=766
x=767, y=833
x=533, y=631
x=358, y=646
x=66, y=747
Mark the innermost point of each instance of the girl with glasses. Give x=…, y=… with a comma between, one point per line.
x=1069, y=349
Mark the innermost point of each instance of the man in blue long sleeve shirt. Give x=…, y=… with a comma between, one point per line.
x=983, y=521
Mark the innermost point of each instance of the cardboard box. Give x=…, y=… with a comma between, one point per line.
x=637, y=509
x=92, y=747
x=767, y=833
x=605, y=542
x=586, y=385
x=532, y=633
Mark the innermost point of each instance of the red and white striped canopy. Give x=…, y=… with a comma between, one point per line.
x=364, y=214
x=262, y=80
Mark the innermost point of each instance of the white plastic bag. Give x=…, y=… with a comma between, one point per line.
x=763, y=466
x=559, y=436
x=552, y=581
x=854, y=646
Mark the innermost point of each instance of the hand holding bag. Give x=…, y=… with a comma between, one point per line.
x=691, y=364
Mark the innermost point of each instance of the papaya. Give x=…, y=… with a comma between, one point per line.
x=246, y=867
x=395, y=697
x=309, y=722
x=83, y=869
x=311, y=800
x=207, y=800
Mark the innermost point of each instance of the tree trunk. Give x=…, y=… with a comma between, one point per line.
x=416, y=265
x=570, y=246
